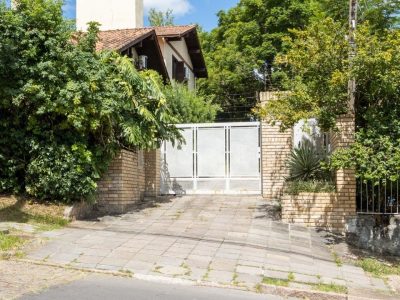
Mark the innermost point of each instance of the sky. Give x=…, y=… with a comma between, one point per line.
x=202, y=12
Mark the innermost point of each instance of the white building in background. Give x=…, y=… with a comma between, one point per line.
x=173, y=51
x=111, y=14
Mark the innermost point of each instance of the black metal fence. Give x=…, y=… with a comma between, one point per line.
x=378, y=198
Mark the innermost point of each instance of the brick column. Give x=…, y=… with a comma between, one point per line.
x=345, y=178
x=276, y=146
x=123, y=184
x=153, y=172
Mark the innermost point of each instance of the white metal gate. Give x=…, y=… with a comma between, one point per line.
x=218, y=158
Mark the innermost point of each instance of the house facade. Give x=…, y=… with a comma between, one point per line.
x=173, y=51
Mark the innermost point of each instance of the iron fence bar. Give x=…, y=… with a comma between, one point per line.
x=391, y=196
x=373, y=197
x=379, y=195
x=361, y=197
x=366, y=192
x=385, y=195
x=397, y=196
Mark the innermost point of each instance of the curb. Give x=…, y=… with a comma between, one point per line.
x=300, y=293
x=264, y=289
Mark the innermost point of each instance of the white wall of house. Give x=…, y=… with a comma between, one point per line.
x=180, y=51
x=111, y=14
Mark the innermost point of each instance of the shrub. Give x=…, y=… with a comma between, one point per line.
x=62, y=172
x=64, y=108
x=305, y=163
x=299, y=186
x=189, y=106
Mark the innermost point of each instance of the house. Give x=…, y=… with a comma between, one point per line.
x=173, y=51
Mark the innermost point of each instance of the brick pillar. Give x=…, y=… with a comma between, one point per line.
x=276, y=146
x=153, y=172
x=345, y=179
x=123, y=184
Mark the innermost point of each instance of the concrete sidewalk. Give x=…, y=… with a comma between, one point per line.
x=232, y=241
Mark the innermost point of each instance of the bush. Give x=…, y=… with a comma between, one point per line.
x=64, y=108
x=189, y=106
x=62, y=172
x=299, y=186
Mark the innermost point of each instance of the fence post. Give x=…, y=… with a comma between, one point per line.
x=345, y=178
x=153, y=173
x=275, y=150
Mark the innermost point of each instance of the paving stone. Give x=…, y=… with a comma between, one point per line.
x=112, y=261
x=89, y=259
x=194, y=273
x=223, y=264
x=142, y=256
x=171, y=270
x=139, y=267
x=222, y=277
x=249, y=270
x=276, y=274
x=170, y=261
x=65, y=258
x=250, y=263
x=306, y=278
x=268, y=266
x=337, y=281
x=247, y=280
x=231, y=232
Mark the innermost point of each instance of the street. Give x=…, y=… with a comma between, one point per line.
x=104, y=287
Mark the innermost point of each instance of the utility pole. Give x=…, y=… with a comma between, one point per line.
x=353, y=49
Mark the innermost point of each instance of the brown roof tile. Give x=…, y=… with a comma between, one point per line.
x=119, y=39
x=173, y=30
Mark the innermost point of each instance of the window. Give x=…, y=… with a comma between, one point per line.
x=178, y=70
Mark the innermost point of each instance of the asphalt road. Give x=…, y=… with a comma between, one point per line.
x=99, y=287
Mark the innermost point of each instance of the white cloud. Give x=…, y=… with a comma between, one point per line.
x=179, y=7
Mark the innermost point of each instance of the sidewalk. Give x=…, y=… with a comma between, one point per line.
x=228, y=241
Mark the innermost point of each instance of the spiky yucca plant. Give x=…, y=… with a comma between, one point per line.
x=305, y=163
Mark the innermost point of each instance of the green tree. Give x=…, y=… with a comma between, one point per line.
x=318, y=71
x=160, y=18
x=376, y=68
x=65, y=109
x=240, y=51
x=316, y=67
x=381, y=14
x=189, y=106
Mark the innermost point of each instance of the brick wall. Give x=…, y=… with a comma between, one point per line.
x=313, y=209
x=327, y=210
x=323, y=210
x=153, y=173
x=123, y=184
x=275, y=149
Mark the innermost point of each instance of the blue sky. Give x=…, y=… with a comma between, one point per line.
x=202, y=12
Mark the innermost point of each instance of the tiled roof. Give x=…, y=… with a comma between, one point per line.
x=173, y=30
x=118, y=39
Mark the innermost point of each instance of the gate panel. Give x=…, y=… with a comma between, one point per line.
x=217, y=158
x=180, y=161
x=211, y=152
x=244, y=152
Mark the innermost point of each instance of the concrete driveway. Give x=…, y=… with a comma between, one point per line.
x=224, y=240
